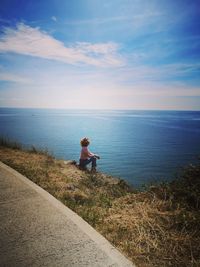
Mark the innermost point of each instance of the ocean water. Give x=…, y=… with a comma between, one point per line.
x=138, y=146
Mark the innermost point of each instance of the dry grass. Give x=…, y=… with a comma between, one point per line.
x=157, y=227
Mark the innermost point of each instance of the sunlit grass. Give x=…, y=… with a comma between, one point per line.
x=159, y=226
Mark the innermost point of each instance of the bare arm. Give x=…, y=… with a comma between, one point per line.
x=90, y=154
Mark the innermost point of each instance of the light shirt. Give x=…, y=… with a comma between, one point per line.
x=85, y=153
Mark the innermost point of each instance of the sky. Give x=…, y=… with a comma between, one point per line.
x=100, y=54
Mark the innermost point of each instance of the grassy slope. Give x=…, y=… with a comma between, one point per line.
x=157, y=227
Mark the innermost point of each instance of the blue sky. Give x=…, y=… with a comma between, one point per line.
x=119, y=54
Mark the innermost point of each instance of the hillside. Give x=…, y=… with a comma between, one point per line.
x=156, y=227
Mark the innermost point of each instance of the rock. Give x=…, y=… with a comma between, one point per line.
x=69, y=162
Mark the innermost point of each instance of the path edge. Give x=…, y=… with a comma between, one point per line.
x=101, y=241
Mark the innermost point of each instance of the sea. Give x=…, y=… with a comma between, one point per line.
x=139, y=146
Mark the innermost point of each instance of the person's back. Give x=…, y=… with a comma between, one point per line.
x=84, y=153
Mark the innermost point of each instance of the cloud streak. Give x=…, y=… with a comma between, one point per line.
x=10, y=77
x=29, y=41
x=54, y=18
x=139, y=73
x=135, y=18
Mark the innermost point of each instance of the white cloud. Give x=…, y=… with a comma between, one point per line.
x=30, y=41
x=9, y=77
x=97, y=48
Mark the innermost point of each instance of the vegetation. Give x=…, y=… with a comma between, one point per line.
x=6, y=142
x=156, y=227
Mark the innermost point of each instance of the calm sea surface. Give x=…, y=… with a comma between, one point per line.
x=139, y=146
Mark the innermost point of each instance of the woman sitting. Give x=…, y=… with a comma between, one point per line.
x=86, y=156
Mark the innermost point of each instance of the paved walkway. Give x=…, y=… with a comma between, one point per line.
x=38, y=230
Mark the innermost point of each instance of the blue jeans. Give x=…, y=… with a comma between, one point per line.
x=84, y=162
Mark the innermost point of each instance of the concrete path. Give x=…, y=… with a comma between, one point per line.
x=38, y=230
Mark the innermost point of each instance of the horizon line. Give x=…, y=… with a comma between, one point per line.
x=99, y=109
